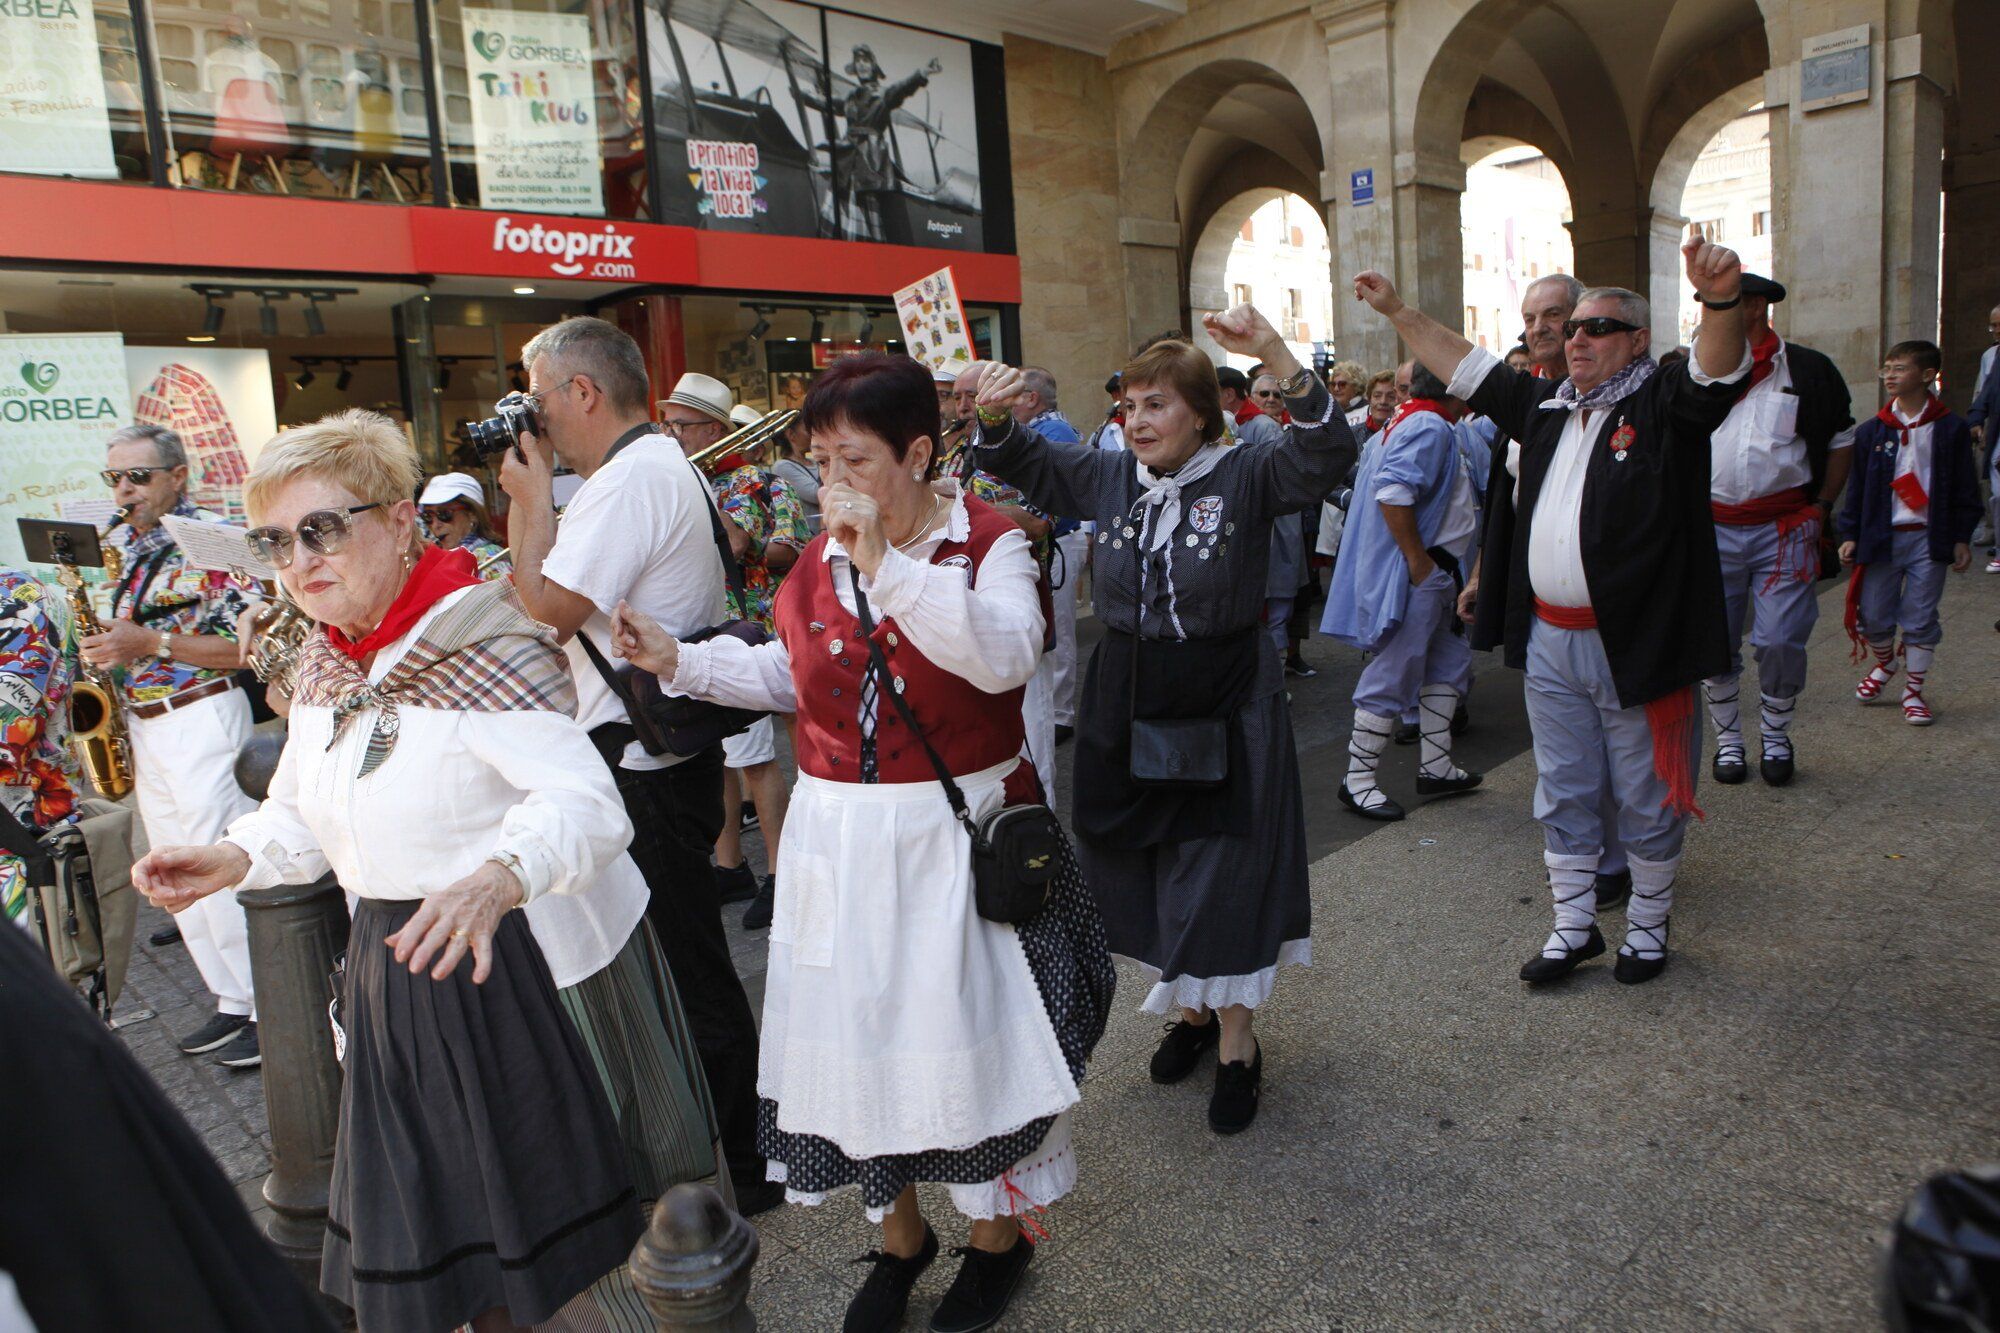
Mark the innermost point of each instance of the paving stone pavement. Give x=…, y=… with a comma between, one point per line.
x=1440, y=1147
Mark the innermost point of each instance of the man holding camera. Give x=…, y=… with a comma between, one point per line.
x=639, y=531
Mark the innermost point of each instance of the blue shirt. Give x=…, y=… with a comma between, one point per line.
x=1416, y=463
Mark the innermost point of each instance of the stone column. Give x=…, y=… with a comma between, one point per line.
x=1368, y=236
x=1151, y=248
x=1855, y=192
x=1430, y=249
x=1666, y=276
x=1971, y=266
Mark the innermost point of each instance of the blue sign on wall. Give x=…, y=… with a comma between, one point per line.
x=1362, y=185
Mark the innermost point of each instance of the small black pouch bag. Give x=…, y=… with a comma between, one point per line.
x=1190, y=753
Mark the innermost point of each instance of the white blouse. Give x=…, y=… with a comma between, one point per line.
x=458, y=787
x=990, y=635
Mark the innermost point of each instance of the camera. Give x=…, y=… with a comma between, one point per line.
x=502, y=431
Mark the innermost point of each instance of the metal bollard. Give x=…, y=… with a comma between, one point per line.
x=296, y=931
x=692, y=1267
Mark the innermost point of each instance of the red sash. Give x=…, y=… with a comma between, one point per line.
x=1792, y=510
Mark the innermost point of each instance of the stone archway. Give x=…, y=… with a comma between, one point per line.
x=1669, y=188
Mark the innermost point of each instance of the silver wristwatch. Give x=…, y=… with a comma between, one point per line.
x=510, y=862
x=1295, y=386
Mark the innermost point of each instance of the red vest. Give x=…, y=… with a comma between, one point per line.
x=969, y=728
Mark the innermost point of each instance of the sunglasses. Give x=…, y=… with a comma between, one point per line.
x=323, y=531
x=1603, y=326
x=441, y=513
x=139, y=476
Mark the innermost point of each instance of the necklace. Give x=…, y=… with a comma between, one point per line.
x=929, y=519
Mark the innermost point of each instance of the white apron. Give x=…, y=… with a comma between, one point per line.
x=896, y=1018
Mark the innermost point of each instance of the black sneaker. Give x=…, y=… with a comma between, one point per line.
x=761, y=1197
x=1408, y=733
x=1298, y=666
x=1234, y=1103
x=978, y=1296
x=241, y=1051
x=1613, y=889
x=165, y=935
x=215, y=1032
x=747, y=816
x=1180, y=1050
x=884, y=1298
x=757, y=916
x=735, y=884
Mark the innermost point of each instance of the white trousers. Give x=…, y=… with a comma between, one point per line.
x=1073, y=549
x=185, y=771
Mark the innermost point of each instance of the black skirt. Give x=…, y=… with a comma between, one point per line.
x=477, y=1164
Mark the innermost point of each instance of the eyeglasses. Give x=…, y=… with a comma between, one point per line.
x=138, y=476
x=539, y=394
x=323, y=531
x=1601, y=327
x=441, y=513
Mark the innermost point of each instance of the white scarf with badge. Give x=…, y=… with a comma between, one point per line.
x=1164, y=490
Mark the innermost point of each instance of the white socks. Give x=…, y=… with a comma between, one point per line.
x=1775, y=717
x=1646, y=913
x=1723, y=695
x=1364, y=753
x=1435, y=705
x=1917, y=665
x=1573, y=885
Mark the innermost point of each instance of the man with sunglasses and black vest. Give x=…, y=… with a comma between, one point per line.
x=640, y=531
x=171, y=645
x=1600, y=579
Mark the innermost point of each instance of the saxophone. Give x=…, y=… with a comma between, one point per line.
x=97, y=732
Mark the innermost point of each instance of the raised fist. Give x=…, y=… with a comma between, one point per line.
x=1378, y=292
x=1714, y=270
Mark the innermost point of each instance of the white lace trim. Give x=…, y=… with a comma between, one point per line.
x=1042, y=1177
x=1248, y=990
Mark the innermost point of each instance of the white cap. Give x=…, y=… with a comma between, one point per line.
x=705, y=394
x=449, y=486
x=943, y=375
x=745, y=415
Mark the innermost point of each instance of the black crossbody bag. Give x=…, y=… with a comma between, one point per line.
x=1017, y=851
x=663, y=723
x=1184, y=753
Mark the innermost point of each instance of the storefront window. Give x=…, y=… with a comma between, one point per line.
x=542, y=108
x=320, y=98
x=70, y=99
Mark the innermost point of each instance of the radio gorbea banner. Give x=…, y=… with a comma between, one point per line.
x=53, y=120
x=534, y=111
x=61, y=396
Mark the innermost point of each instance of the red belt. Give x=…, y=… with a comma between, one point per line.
x=1791, y=510
x=161, y=707
x=1671, y=718
x=1764, y=509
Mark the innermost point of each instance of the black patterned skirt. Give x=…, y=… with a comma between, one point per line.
x=477, y=1163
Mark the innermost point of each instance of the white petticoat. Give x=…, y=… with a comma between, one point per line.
x=896, y=1018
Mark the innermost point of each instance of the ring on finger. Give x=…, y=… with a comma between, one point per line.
x=458, y=934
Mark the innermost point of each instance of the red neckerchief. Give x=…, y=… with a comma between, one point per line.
x=1411, y=408
x=1933, y=409
x=438, y=574
x=1247, y=409
x=1763, y=364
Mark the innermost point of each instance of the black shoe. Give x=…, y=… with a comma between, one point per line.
x=1388, y=812
x=1298, y=666
x=735, y=884
x=1063, y=733
x=884, y=1298
x=1729, y=772
x=1613, y=889
x=1408, y=733
x=1634, y=970
x=746, y=817
x=1542, y=968
x=978, y=1296
x=1777, y=771
x=215, y=1032
x=241, y=1051
x=761, y=1197
x=757, y=916
x=1234, y=1103
x=1460, y=719
x=168, y=934
x=1181, y=1049
x=1446, y=786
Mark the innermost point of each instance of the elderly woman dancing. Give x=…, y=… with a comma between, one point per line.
x=517, y=1082
x=1187, y=785
x=907, y=1037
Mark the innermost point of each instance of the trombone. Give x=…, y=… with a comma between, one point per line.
x=752, y=436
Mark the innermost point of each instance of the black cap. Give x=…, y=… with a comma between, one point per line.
x=1756, y=284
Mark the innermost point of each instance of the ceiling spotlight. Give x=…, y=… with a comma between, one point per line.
x=305, y=375
x=211, y=318
x=267, y=319
x=315, y=322
x=345, y=377
x=761, y=327
x=201, y=337
x=819, y=326
x=524, y=291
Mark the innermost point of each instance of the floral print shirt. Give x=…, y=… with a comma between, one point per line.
x=157, y=590
x=766, y=507
x=37, y=664
x=481, y=550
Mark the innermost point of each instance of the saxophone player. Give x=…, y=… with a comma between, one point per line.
x=171, y=642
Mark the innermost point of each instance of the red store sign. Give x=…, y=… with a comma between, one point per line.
x=463, y=241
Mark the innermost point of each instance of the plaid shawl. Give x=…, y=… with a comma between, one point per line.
x=481, y=654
